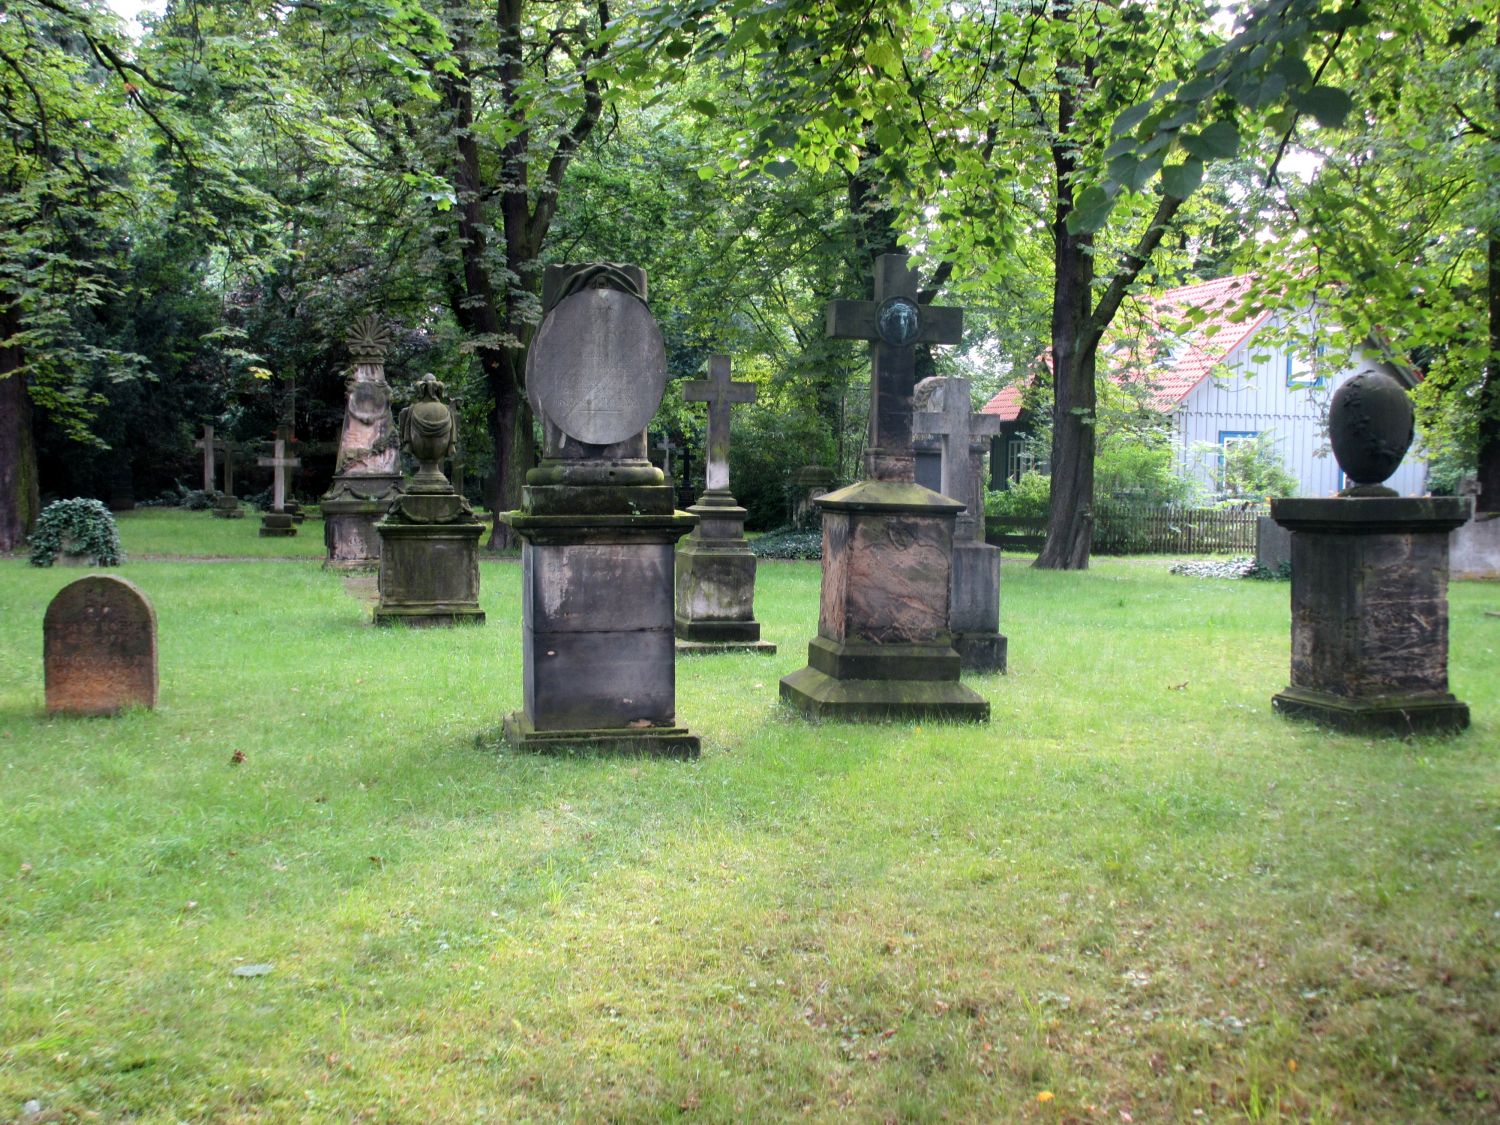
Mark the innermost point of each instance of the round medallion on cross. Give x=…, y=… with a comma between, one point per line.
x=898, y=321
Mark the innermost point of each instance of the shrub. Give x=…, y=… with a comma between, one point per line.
x=1029, y=496
x=77, y=528
x=788, y=543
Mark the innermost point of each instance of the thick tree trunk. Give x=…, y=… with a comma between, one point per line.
x=19, y=499
x=1489, y=397
x=1070, y=523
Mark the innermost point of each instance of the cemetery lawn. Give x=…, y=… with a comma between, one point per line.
x=1137, y=894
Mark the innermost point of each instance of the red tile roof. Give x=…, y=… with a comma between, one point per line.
x=1179, y=360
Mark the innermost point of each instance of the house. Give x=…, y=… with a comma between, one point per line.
x=1220, y=382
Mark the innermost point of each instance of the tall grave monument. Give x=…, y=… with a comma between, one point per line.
x=715, y=569
x=209, y=447
x=1370, y=580
x=883, y=648
x=945, y=413
x=598, y=527
x=366, y=477
x=278, y=521
x=429, y=538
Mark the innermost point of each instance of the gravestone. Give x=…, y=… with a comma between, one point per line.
x=598, y=527
x=278, y=521
x=226, y=503
x=366, y=475
x=429, y=538
x=1370, y=581
x=946, y=416
x=884, y=649
x=810, y=484
x=207, y=444
x=99, y=648
x=715, y=569
x=1474, y=548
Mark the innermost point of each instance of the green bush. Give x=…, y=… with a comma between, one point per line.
x=1029, y=496
x=77, y=528
x=788, y=543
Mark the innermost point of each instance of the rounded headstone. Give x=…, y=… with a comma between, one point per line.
x=597, y=367
x=1370, y=426
x=99, y=647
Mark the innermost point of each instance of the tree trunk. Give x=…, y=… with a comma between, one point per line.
x=19, y=499
x=1489, y=389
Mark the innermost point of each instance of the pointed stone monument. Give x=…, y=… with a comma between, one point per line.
x=366, y=477
x=429, y=538
x=946, y=414
x=1370, y=581
x=278, y=523
x=883, y=648
x=598, y=527
x=715, y=569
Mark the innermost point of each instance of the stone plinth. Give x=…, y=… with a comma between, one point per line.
x=883, y=648
x=99, y=648
x=349, y=525
x=715, y=604
x=429, y=563
x=277, y=525
x=1370, y=612
x=974, y=607
x=227, y=507
x=597, y=632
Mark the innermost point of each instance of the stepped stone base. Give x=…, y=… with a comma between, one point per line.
x=1393, y=714
x=869, y=682
x=274, y=525
x=654, y=742
x=981, y=652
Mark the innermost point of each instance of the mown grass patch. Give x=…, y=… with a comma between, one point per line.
x=1136, y=890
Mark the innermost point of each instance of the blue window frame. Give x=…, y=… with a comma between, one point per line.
x=1301, y=372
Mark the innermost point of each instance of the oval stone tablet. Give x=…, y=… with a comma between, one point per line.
x=597, y=366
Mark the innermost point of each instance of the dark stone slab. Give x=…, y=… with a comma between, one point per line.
x=981, y=652
x=227, y=507
x=429, y=574
x=99, y=648
x=277, y=525
x=821, y=696
x=1369, y=608
x=599, y=679
x=1273, y=544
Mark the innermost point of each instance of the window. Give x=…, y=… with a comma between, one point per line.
x=1301, y=370
x=1228, y=440
x=1018, y=459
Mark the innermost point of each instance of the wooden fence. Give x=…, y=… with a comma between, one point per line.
x=1142, y=531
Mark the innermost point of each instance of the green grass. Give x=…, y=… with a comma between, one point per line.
x=1137, y=889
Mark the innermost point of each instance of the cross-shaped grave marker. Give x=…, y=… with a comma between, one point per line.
x=279, y=462
x=894, y=323
x=230, y=449
x=666, y=447
x=720, y=393
x=206, y=443
x=956, y=425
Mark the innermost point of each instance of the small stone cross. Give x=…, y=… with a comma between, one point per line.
x=720, y=394
x=230, y=449
x=279, y=463
x=956, y=426
x=206, y=443
x=666, y=447
x=894, y=323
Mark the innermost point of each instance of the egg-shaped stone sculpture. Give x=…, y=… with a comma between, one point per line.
x=1370, y=426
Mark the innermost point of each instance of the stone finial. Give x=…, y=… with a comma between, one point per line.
x=1370, y=426
x=369, y=340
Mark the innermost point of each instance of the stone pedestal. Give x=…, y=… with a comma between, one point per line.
x=277, y=525
x=1370, y=612
x=429, y=562
x=883, y=649
x=596, y=623
x=349, y=518
x=227, y=507
x=715, y=606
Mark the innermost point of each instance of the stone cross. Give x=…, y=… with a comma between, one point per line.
x=230, y=449
x=719, y=393
x=956, y=426
x=279, y=463
x=666, y=447
x=206, y=443
x=894, y=323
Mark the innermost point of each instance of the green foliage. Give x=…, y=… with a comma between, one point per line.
x=1251, y=469
x=788, y=543
x=1027, y=497
x=77, y=528
x=1142, y=470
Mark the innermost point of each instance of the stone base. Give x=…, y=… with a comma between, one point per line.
x=227, y=508
x=870, y=682
x=695, y=648
x=1393, y=714
x=654, y=742
x=715, y=580
x=981, y=652
x=349, y=533
x=277, y=525
x=429, y=573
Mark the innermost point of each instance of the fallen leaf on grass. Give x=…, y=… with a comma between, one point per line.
x=1045, y=1096
x=237, y=757
x=1178, y=687
x=377, y=861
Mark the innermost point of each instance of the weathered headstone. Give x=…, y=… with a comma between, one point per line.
x=810, y=484
x=884, y=649
x=366, y=477
x=99, y=648
x=278, y=521
x=1474, y=548
x=945, y=412
x=429, y=552
x=1370, y=581
x=715, y=569
x=226, y=503
x=207, y=444
x=598, y=526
